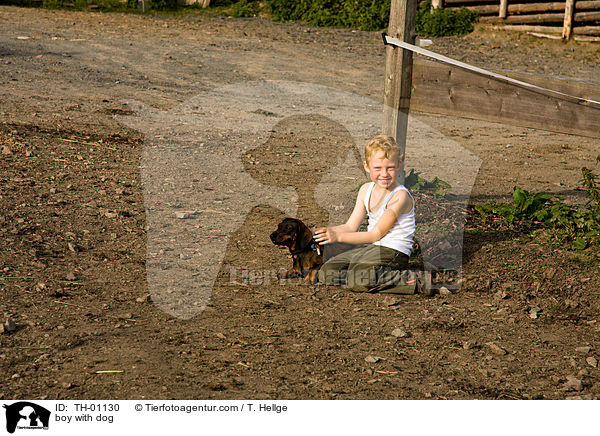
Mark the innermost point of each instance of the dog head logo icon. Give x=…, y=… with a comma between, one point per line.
x=25, y=414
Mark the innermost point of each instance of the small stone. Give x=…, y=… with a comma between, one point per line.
x=144, y=299
x=220, y=335
x=182, y=215
x=391, y=301
x=16, y=376
x=372, y=359
x=71, y=247
x=549, y=272
x=534, y=312
x=470, y=345
x=573, y=384
x=592, y=362
x=501, y=295
x=70, y=276
x=444, y=291
x=9, y=325
x=583, y=350
x=399, y=333
x=570, y=304
x=496, y=349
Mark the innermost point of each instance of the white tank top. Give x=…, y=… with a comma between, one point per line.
x=400, y=237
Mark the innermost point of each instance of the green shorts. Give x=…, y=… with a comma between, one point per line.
x=370, y=268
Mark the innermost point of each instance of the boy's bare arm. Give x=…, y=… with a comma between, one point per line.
x=399, y=204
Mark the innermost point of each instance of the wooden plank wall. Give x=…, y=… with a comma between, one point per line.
x=443, y=89
x=566, y=17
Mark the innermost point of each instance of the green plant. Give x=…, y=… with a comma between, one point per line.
x=579, y=226
x=163, y=5
x=245, y=8
x=444, y=22
x=362, y=14
x=415, y=182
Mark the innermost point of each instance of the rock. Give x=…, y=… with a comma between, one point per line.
x=70, y=276
x=534, y=312
x=583, y=350
x=470, y=345
x=573, y=384
x=182, y=215
x=592, y=362
x=570, y=304
x=220, y=335
x=372, y=359
x=496, y=349
x=399, y=333
x=144, y=299
x=549, y=272
x=391, y=301
x=9, y=326
x=71, y=247
x=443, y=291
x=501, y=295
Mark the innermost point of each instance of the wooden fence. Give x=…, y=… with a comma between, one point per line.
x=566, y=19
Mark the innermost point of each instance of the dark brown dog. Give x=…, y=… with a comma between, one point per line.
x=295, y=235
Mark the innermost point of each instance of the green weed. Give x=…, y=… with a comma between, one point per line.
x=444, y=22
x=579, y=227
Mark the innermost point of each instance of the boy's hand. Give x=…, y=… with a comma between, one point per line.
x=325, y=235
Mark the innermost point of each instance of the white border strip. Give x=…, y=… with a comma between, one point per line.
x=388, y=40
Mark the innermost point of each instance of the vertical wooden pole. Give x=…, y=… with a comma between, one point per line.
x=503, y=8
x=398, y=74
x=568, y=21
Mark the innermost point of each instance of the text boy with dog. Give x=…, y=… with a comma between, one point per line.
x=376, y=266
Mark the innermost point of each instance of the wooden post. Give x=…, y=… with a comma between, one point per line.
x=503, y=8
x=568, y=21
x=398, y=74
x=436, y=4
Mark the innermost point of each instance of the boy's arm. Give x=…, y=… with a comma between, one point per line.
x=400, y=203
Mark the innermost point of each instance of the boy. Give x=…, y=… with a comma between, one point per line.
x=390, y=207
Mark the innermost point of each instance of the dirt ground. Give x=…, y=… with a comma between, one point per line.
x=73, y=222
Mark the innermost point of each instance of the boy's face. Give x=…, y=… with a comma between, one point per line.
x=383, y=171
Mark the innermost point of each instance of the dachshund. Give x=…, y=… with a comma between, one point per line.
x=306, y=253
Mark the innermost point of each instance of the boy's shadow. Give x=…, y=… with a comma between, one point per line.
x=300, y=151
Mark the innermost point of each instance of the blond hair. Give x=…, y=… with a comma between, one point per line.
x=383, y=143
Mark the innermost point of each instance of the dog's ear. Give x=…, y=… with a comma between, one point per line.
x=303, y=235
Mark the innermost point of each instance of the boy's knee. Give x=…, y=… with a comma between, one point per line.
x=361, y=279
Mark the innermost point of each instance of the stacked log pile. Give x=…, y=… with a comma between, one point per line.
x=567, y=18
